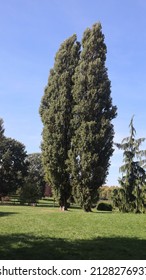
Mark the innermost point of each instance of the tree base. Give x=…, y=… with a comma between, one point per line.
x=63, y=208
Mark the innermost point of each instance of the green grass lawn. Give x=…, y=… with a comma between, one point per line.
x=44, y=232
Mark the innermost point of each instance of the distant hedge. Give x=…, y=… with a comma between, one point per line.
x=103, y=206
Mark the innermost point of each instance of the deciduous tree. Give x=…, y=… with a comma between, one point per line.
x=34, y=185
x=55, y=111
x=93, y=112
x=13, y=165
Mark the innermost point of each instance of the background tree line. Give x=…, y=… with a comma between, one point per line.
x=24, y=174
x=18, y=171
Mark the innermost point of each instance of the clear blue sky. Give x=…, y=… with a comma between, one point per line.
x=31, y=32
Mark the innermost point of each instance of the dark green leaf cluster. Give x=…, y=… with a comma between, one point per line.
x=104, y=206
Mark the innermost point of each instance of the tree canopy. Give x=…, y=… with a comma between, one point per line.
x=13, y=165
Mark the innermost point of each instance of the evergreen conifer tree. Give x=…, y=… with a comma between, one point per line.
x=55, y=111
x=92, y=141
x=130, y=197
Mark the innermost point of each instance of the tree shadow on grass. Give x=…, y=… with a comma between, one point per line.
x=29, y=247
x=4, y=214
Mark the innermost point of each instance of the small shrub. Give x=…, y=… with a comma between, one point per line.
x=103, y=206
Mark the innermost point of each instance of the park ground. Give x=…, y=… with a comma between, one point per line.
x=43, y=232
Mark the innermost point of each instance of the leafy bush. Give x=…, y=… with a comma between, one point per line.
x=103, y=206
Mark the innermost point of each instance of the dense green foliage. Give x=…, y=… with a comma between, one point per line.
x=130, y=197
x=46, y=233
x=92, y=141
x=13, y=164
x=55, y=111
x=104, y=206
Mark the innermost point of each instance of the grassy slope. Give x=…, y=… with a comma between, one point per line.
x=47, y=233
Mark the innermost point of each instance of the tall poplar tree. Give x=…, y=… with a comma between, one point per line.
x=55, y=111
x=130, y=197
x=92, y=142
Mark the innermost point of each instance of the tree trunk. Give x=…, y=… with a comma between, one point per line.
x=63, y=204
x=87, y=208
